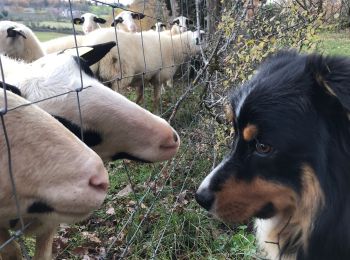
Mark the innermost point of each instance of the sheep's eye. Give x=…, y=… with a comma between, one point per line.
x=263, y=148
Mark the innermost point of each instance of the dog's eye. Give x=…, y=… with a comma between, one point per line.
x=263, y=148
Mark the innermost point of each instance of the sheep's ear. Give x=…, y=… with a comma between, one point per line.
x=137, y=16
x=12, y=32
x=116, y=21
x=153, y=27
x=190, y=21
x=97, y=52
x=11, y=88
x=78, y=21
x=177, y=21
x=99, y=20
x=332, y=76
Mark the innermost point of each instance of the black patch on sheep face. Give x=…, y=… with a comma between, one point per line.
x=11, y=88
x=84, y=66
x=13, y=222
x=99, y=20
x=119, y=156
x=39, y=207
x=13, y=32
x=91, y=137
x=95, y=55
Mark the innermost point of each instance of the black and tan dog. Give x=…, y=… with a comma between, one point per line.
x=289, y=165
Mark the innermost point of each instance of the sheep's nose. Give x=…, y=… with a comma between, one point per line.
x=171, y=141
x=205, y=198
x=99, y=182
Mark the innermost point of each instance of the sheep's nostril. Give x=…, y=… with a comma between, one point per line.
x=98, y=183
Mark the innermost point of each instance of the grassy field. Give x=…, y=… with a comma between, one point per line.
x=335, y=43
x=150, y=209
x=45, y=36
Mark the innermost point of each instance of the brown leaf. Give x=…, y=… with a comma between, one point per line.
x=124, y=192
x=110, y=211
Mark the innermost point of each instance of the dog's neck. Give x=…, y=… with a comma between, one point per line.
x=287, y=234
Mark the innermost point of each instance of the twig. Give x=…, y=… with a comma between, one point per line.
x=195, y=81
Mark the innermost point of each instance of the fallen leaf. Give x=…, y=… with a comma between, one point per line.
x=124, y=192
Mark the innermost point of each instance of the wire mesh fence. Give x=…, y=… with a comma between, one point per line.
x=149, y=211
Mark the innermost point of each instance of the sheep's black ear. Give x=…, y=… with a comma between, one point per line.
x=332, y=76
x=116, y=21
x=11, y=88
x=99, y=20
x=190, y=21
x=97, y=53
x=138, y=16
x=12, y=32
x=78, y=21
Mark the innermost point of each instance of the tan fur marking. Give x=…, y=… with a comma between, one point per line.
x=240, y=200
x=320, y=80
x=250, y=132
x=301, y=220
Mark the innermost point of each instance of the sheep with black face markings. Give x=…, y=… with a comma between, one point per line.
x=19, y=42
x=90, y=22
x=125, y=21
x=113, y=126
x=58, y=178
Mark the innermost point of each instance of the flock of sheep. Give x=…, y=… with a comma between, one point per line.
x=58, y=178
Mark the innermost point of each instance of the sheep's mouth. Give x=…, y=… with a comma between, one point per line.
x=120, y=156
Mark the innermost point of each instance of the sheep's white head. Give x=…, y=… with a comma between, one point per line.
x=57, y=176
x=126, y=20
x=159, y=27
x=183, y=22
x=89, y=21
x=113, y=126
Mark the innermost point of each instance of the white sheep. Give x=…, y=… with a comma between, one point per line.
x=58, y=179
x=61, y=43
x=19, y=42
x=125, y=21
x=183, y=23
x=156, y=65
x=113, y=126
x=90, y=22
x=159, y=27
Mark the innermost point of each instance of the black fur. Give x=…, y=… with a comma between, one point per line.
x=39, y=207
x=91, y=137
x=11, y=88
x=300, y=105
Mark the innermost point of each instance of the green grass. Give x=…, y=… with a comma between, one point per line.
x=45, y=36
x=335, y=43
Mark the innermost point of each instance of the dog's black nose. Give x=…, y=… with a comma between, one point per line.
x=205, y=198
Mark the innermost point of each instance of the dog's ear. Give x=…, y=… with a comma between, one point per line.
x=332, y=76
